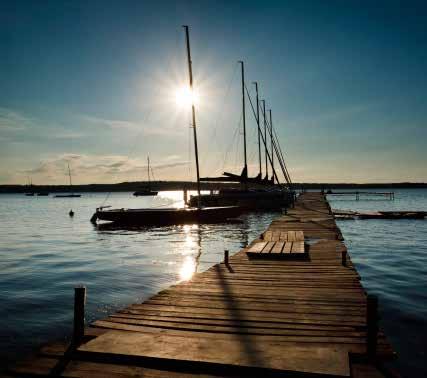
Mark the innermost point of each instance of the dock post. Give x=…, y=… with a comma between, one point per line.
x=372, y=325
x=185, y=196
x=226, y=256
x=79, y=314
x=344, y=257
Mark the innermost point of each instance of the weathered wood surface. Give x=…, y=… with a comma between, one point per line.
x=251, y=317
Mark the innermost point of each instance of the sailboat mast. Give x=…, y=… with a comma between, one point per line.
x=259, y=130
x=148, y=169
x=69, y=174
x=245, y=169
x=193, y=110
x=271, y=140
x=265, y=144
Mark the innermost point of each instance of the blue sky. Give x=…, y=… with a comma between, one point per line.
x=94, y=83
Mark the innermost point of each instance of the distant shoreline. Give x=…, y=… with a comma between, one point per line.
x=180, y=185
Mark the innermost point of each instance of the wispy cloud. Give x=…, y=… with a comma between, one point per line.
x=13, y=121
x=99, y=168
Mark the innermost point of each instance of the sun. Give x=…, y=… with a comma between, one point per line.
x=184, y=97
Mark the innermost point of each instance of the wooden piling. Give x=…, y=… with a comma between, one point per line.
x=372, y=325
x=344, y=257
x=226, y=254
x=79, y=314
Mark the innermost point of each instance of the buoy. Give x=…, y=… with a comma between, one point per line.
x=71, y=213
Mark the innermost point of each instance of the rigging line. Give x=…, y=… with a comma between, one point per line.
x=282, y=157
x=262, y=137
x=236, y=132
x=220, y=114
x=279, y=153
x=281, y=160
x=148, y=113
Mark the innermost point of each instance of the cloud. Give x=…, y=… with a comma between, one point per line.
x=13, y=121
x=124, y=125
x=100, y=168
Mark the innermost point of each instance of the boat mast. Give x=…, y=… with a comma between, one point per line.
x=259, y=130
x=271, y=139
x=69, y=174
x=148, y=170
x=245, y=169
x=193, y=110
x=265, y=144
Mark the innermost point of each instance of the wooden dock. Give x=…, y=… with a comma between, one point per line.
x=247, y=317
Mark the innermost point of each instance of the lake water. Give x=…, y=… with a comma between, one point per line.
x=44, y=254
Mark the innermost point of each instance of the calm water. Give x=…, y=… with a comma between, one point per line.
x=391, y=257
x=44, y=254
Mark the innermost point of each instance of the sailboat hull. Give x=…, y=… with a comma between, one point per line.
x=250, y=200
x=168, y=216
x=68, y=195
x=145, y=193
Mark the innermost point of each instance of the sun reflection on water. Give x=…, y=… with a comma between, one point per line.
x=191, y=250
x=188, y=269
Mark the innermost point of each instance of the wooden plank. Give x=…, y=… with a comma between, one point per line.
x=288, y=247
x=298, y=247
x=268, y=235
x=227, y=350
x=283, y=236
x=276, y=236
x=278, y=247
x=268, y=247
x=299, y=235
x=291, y=236
x=257, y=247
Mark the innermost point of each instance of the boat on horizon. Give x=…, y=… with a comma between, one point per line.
x=72, y=194
x=173, y=216
x=146, y=191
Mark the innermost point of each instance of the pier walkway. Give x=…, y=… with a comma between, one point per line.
x=265, y=316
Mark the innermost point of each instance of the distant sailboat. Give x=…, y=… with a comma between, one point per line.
x=163, y=216
x=30, y=186
x=147, y=190
x=70, y=195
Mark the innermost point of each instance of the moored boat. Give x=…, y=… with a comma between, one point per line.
x=168, y=216
x=147, y=190
x=163, y=216
x=69, y=195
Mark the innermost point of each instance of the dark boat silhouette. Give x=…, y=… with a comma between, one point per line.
x=265, y=193
x=69, y=195
x=147, y=190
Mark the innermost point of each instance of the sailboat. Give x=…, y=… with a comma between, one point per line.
x=69, y=195
x=266, y=195
x=30, y=187
x=147, y=190
x=161, y=216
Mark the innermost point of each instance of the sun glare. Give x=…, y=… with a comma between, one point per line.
x=184, y=96
x=188, y=269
